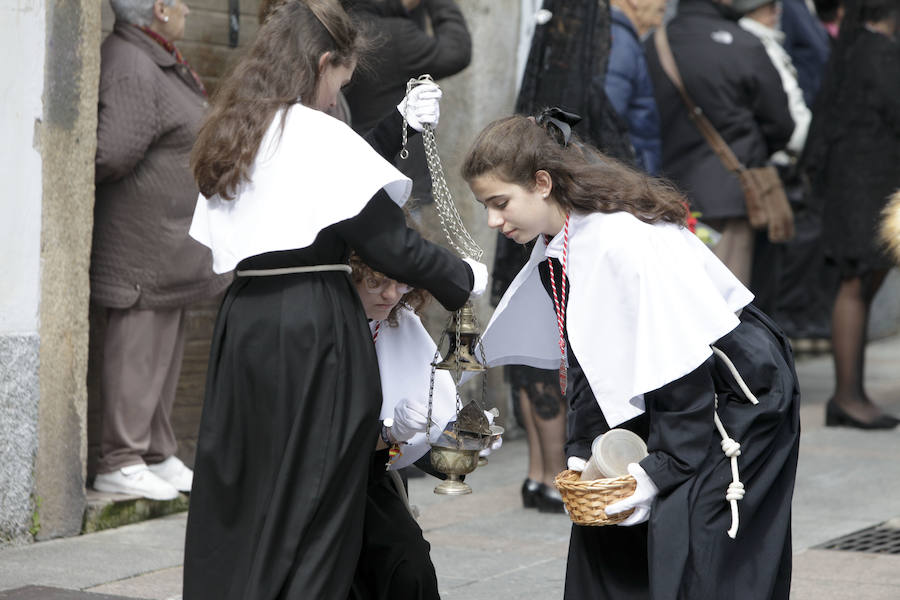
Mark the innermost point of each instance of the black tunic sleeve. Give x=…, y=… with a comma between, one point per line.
x=681, y=427
x=380, y=236
x=386, y=137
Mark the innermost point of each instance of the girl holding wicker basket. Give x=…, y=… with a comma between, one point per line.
x=651, y=333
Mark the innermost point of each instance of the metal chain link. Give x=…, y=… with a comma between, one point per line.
x=457, y=375
x=457, y=235
x=437, y=357
x=451, y=222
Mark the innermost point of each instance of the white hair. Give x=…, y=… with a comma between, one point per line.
x=136, y=12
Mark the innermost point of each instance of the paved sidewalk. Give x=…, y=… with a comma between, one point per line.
x=486, y=546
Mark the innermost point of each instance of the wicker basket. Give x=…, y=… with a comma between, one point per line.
x=585, y=500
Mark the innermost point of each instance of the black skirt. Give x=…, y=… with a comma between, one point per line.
x=288, y=424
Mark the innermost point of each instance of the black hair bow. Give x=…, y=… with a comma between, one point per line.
x=558, y=123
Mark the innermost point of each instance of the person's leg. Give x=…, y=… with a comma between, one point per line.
x=395, y=561
x=849, y=322
x=137, y=353
x=550, y=424
x=735, y=248
x=162, y=436
x=535, y=462
x=160, y=456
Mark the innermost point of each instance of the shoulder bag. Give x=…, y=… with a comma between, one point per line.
x=767, y=203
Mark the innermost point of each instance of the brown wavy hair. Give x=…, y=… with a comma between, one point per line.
x=416, y=299
x=281, y=66
x=585, y=180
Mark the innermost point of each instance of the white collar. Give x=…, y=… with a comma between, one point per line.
x=645, y=303
x=312, y=174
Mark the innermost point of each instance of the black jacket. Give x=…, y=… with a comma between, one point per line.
x=854, y=148
x=403, y=49
x=728, y=74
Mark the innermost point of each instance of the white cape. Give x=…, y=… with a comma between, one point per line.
x=405, y=354
x=645, y=303
x=314, y=173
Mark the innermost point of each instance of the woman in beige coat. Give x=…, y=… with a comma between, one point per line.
x=144, y=268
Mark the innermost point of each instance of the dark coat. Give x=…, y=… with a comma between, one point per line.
x=403, y=50
x=855, y=149
x=807, y=43
x=630, y=91
x=150, y=110
x=728, y=74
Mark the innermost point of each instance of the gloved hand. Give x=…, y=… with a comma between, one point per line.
x=480, y=271
x=422, y=106
x=410, y=418
x=495, y=445
x=640, y=500
x=576, y=464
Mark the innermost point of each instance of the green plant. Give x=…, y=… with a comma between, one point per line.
x=35, y=516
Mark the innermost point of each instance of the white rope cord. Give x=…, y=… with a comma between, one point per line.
x=731, y=447
x=747, y=393
x=291, y=270
x=735, y=491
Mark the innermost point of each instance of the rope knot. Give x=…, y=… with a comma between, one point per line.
x=735, y=491
x=730, y=447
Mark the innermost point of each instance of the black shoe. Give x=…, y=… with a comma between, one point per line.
x=835, y=416
x=549, y=500
x=529, y=493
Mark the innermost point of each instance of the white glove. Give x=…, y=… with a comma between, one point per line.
x=410, y=418
x=495, y=445
x=422, y=106
x=480, y=273
x=640, y=500
x=576, y=464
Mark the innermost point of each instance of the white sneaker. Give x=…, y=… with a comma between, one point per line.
x=136, y=480
x=175, y=473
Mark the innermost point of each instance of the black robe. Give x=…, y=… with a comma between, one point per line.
x=395, y=561
x=290, y=413
x=683, y=551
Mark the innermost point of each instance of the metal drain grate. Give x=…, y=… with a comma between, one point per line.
x=880, y=539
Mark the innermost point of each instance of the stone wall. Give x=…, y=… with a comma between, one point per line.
x=68, y=145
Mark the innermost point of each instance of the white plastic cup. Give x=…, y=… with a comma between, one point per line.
x=591, y=470
x=612, y=452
